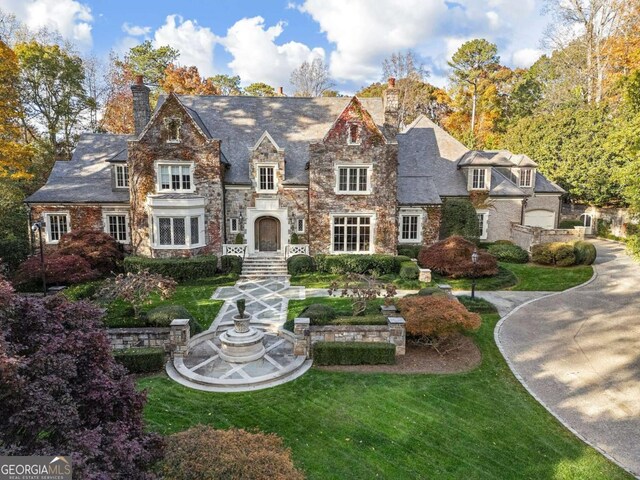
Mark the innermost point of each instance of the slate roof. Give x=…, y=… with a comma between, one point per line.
x=292, y=122
x=417, y=191
x=86, y=178
x=544, y=185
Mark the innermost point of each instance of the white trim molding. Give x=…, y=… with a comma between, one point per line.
x=178, y=163
x=268, y=136
x=485, y=223
x=358, y=166
x=273, y=165
x=487, y=178
x=106, y=213
x=186, y=209
x=372, y=232
x=47, y=223
x=410, y=212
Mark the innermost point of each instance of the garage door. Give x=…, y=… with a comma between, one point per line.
x=540, y=218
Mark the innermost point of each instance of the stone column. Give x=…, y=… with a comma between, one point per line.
x=425, y=275
x=397, y=334
x=303, y=336
x=179, y=337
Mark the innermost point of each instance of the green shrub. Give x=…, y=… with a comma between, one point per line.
x=603, y=228
x=569, y=224
x=563, y=254
x=633, y=246
x=459, y=218
x=13, y=251
x=239, y=240
x=180, y=269
x=508, y=252
x=353, y=353
x=503, y=242
x=542, y=254
x=410, y=251
x=372, y=319
x=425, y=292
x=82, y=291
x=556, y=253
x=140, y=360
x=350, y=263
x=294, y=239
x=631, y=229
x=319, y=314
x=409, y=270
x=299, y=264
x=231, y=264
x=163, y=315
x=121, y=314
x=585, y=253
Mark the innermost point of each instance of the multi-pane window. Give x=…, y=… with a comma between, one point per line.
x=351, y=234
x=117, y=227
x=57, y=225
x=266, y=178
x=409, y=227
x=300, y=225
x=175, y=177
x=482, y=224
x=234, y=225
x=178, y=231
x=353, y=179
x=122, y=176
x=526, y=177
x=479, y=178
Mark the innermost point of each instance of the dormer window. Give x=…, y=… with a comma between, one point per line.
x=354, y=134
x=266, y=178
x=173, y=129
x=526, y=177
x=121, y=173
x=478, y=179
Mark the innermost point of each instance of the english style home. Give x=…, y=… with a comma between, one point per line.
x=337, y=172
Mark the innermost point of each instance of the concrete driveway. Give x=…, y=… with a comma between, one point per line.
x=578, y=353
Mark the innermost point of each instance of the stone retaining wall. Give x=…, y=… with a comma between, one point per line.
x=307, y=335
x=173, y=339
x=527, y=237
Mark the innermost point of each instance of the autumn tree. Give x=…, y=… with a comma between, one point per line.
x=259, y=89
x=227, y=84
x=186, y=81
x=150, y=62
x=311, y=79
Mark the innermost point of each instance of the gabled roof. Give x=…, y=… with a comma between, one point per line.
x=544, y=185
x=86, y=178
x=501, y=186
x=495, y=158
x=417, y=191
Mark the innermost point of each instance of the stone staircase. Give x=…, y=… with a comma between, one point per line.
x=264, y=266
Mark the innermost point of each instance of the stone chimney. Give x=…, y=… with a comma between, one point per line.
x=391, y=103
x=281, y=91
x=141, y=107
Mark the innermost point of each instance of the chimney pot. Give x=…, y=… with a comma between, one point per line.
x=280, y=91
x=392, y=82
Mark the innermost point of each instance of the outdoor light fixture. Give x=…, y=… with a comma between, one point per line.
x=474, y=260
x=38, y=226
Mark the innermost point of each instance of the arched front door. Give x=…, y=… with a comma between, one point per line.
x=267, y=234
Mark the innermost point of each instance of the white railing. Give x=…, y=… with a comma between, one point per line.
x=296, y=249
x=234, y=249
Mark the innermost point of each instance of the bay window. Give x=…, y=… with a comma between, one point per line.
x=178, y=231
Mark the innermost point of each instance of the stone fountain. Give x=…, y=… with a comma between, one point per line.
x=242, y=343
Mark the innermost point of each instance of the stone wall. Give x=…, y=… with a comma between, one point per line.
x=527, y=237
x=307, y=335
x=618, y=218
x=372, y=150
x=121, y=338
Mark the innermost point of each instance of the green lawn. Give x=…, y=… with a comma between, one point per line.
x=323, y=280
x=477, y=425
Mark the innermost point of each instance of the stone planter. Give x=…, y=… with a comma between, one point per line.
x=242, y=343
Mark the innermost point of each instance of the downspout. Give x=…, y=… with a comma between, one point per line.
x=32, y=235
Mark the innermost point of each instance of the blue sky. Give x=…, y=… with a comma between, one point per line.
x=265, y=40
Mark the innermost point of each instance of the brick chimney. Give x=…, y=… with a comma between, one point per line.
x=141, y=107
x=281, y=91
x=391, y=103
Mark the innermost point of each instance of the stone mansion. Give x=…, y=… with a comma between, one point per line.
x=338, y=172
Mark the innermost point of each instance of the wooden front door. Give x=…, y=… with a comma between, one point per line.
x=268, y=234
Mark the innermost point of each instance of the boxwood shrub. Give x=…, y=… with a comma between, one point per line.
x=350, y=263
x=140, y=360
x=231, y=264
x=410, y=251
x=409, y=270
x=508, y=253
x=319, y=314
x=353, y=353
x=561, y=254
x=299, y=264
x=82, y=291
x=585, y=253
x=163, y=315
x=180, y=269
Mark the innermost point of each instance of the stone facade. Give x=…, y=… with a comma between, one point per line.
x=527, y=237
x=502, y=214
x=122, y=338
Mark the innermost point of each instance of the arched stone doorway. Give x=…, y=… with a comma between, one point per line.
x=267, y=234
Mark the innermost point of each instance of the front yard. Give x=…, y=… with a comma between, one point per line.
x=480, y=424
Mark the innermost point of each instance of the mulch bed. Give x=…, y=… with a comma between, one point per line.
x=421, y=359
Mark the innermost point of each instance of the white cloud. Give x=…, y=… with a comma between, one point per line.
x=135, y=30
x=195, y=43
x=258, y=58
x=525, y=57
x=70, y=18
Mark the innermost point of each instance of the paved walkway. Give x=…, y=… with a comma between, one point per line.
x=578, y=353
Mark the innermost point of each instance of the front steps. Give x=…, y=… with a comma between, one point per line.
x=264, y=266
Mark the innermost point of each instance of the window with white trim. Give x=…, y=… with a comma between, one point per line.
x=300, y=225
x=526, y=177
x=410, y=228
x=175, y=178
x=178, y=232
x=57, y=224
x=121, y=176
x=266, y=178
x=234, y=225
x=479, y=179
x=351, y=234
x=116, y=226
x=353, y=180
x=483, y=219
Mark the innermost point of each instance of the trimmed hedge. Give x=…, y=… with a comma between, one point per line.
x=350, y=263
x=163, y=315
x=542, y=254
x=121, y=314
x=82, y=291
x=561, y=254
x=319, y=314
x=231, y=264
x=299, y=264
x=353, y=353
x=140, y=360
x=569, y=224
x=409, y=270
x=509, y=253
x=411, y=251
x=585, y=253
x=180, y=269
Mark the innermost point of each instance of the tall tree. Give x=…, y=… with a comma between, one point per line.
x=311, y=79
x=474, y=61
x=186, y=81
x=260, y=89
x=150, y=62
x=53, y=92
x=227, y=84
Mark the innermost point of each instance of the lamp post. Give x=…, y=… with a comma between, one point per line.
x=38, y=226
x=474, y=260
